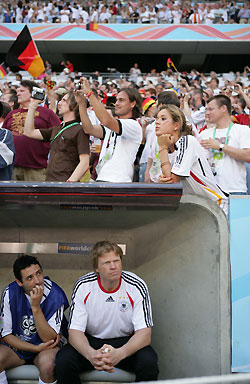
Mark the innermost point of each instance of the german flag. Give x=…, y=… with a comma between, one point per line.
x=3, y=70
x=170, y=63
x=24, y=54
x=92, y=26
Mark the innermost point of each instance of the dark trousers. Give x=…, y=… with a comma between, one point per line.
x=70, y=363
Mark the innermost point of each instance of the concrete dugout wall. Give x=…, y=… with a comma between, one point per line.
x=181, y=251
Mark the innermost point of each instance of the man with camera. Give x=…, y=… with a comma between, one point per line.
x=69, y=145
x=121, y=136
x=31, y=155
x=31, y=317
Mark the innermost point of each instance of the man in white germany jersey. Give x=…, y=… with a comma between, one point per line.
x=110, y=321
x=121, y=136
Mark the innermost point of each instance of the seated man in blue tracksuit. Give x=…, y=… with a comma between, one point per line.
x=32, y=310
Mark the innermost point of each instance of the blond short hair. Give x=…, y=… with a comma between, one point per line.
x=104, y=247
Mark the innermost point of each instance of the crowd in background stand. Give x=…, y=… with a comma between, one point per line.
x=183, y=85
x=119, y=11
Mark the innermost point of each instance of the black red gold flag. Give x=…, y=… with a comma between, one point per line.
x=24, y=54
x=92, y=26
x=170, y=63
x=3, y=70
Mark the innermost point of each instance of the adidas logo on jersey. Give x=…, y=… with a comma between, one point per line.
x=110, y=300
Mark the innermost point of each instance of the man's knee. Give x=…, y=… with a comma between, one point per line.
x=45, y=362
x=64, y=358
x=146, y=364
x=8, y=358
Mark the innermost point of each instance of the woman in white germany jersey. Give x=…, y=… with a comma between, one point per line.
x=187, y=162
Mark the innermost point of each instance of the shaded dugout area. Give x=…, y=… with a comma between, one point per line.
x=180, y=249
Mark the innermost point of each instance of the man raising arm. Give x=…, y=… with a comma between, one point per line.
x=121, y=136
x=69, y=155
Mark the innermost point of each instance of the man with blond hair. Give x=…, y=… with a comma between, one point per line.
x=110, y=321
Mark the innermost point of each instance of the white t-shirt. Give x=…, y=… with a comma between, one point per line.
x=113, y=314
x=150, y=131
x=6, y=317
x=155, y=170
x=65, y=13
x=84, y=14
x=198, y=117
x=119, y=151
x=197, y=178
x=231, y=176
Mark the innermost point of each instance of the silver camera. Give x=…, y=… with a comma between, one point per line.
x=38, y=93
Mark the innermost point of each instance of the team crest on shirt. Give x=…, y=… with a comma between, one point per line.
x=123, y=304
x=28, y=326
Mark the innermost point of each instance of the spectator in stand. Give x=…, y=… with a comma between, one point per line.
x=124, y=12
x=214, y=85
x=134, y=73
x=150, y=153
x=48, y=67
x=65, y=15
x=134, y=15
x=8, y=15
x=195, y=17
x=152, y=15
x=7, y=149
x=85, y=16
x=19, y=12
x=104, y=15
x=176, y=14
x=11, y=99
x=218, y=12
x=31, y=155
x=228, y=146
x=144, y=15
x=241, y=116
x=69, y=153
x=194, y=108
x=244, y=13
x=208, y=17
x=94, y=14
x=69, y=66
x=182, y=158
x=122, y=137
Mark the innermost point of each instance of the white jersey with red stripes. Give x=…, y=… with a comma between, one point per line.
x=191, y=164
x=110, y=314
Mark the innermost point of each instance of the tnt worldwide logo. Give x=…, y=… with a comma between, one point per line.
x=28, y=326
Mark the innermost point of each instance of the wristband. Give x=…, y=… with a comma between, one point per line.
x=89, y=94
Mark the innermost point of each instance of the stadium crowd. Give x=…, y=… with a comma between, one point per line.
x=119, y=11
x=70, y=128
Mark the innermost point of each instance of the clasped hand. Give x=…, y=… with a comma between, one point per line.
x=106, y=358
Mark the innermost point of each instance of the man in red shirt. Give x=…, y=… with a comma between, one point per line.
x=31, y=155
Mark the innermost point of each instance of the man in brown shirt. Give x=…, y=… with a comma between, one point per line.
x=69, y=145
